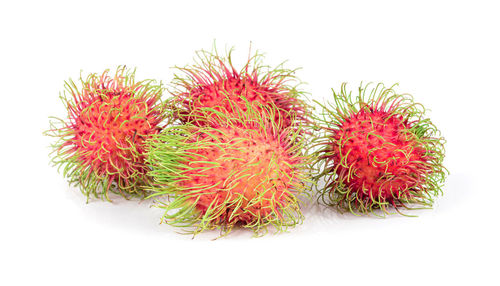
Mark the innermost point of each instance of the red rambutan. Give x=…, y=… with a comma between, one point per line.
x=379, y=151
x=213, y=82
x=246, y=172
x=101, y=143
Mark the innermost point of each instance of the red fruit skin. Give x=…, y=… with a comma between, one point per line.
x=252, y=167
x=378, y=157
x=102, y=140
x=217, y=84
x=379, y=152
x=245, y=172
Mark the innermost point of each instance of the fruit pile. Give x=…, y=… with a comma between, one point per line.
x=241, y=148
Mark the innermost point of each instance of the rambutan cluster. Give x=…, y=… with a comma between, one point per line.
x=233, y=147
x=101, y=142
x=235, y=157
x=378, y=151
x=230, y=154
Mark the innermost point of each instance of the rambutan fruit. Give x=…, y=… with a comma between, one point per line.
x=101, y=142
x=378, y=151
x=246, y=172
x=214, y=82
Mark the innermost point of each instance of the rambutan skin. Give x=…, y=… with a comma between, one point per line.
x=246, y=172
x=213, y=82
x=378, y=152
x=101, y=142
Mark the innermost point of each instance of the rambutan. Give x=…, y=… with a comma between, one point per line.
x=213, y=82
x=245, y=172
x=101, y=142
x=379, y=152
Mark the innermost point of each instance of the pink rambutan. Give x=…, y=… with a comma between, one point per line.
x=101, y=142
x=245, y=172
x=379, y=151
x=213, y=82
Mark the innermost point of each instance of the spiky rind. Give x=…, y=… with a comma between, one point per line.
x=100, y=145
x=378, y=151
x=214, y=82
x=244, y=172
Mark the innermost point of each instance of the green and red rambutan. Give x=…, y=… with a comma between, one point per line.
x=100, y=145
x=247, y=171
x=214, y=82
x=378, y=151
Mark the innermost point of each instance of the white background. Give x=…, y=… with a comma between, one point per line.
x=445, y=53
